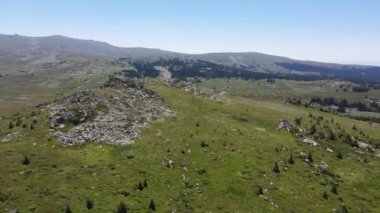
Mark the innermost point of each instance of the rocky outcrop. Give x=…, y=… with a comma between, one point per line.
x=114, y=114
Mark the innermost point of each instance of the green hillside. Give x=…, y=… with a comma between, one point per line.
x=211, y=156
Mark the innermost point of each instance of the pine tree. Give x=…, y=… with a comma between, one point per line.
x=18, y=121
x=26, y=160
x=152, y=205
x=140, y=186
x=275, y=168
x=309, y=157
x=325, y=195
x=344, y=209
x=259, y=190
x=89, y=204
x=67, y=209
x=339, y=155
x=334, y=189
x=291, y=161
x=312, y=129
x=122, y=208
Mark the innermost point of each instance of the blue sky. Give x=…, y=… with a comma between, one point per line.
x=345, y=31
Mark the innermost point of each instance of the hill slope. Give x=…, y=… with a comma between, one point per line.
x=31, y=50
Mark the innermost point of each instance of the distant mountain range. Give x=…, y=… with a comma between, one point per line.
x=40, y=49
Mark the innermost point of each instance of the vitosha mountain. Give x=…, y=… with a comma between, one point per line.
x=37, y=50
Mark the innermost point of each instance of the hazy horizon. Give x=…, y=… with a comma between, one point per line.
x=335, y=31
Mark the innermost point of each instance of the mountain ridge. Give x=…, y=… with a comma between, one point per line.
x=28, y=50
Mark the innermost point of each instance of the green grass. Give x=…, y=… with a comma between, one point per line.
x=282, y=89
x=242, y=138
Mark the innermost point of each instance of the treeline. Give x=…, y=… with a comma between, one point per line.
x=343, y=104
x=349, y=73
x=188, y=68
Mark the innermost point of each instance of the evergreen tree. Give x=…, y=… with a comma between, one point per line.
x=312, y=129
x=298, y=121
x=67, y=209
x=275, y=168
x=145, y=183
x=291, y=161
x=122, y=208
x=11, y=125
x=26, y=160
x=325, y=195
x=89, y=204
x=140, y=186
x=334, y=189
x=18, y=121
x=259, y=190
x=309, y=157
x=152, y=205
x=339, y=155
x=344, y=209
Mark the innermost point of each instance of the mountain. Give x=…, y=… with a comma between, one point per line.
x=17, y=44
x=32, y=50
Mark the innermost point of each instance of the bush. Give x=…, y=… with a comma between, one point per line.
x=275, y=168
x=325, y=195
x=310, y=158
x=89, y=204
x=140, y=186
x=259, y=190
x=152, y=205
x=298, y=121
x=67, y=209
x=122, y=208
x=312, y=129
x=339, y=155
x=291, y=161
x=26, y=160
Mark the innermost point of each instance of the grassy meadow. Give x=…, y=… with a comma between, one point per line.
x=220, y=153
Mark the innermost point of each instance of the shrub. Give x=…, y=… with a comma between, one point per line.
x=140, y=186
x=204, y=144
x=325, y=195
x=259, y=190
x=339, y=155
x=152, y=205
x=89, y=204
x=67, y=209
x=122, y=208
x=298, y=121
x=310, y=158
x=343, y=209
x=312, y=129
x=291, y=161
x=26, y=160
x=275, y=168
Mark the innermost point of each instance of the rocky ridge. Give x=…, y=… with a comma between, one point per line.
x=114, y=114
